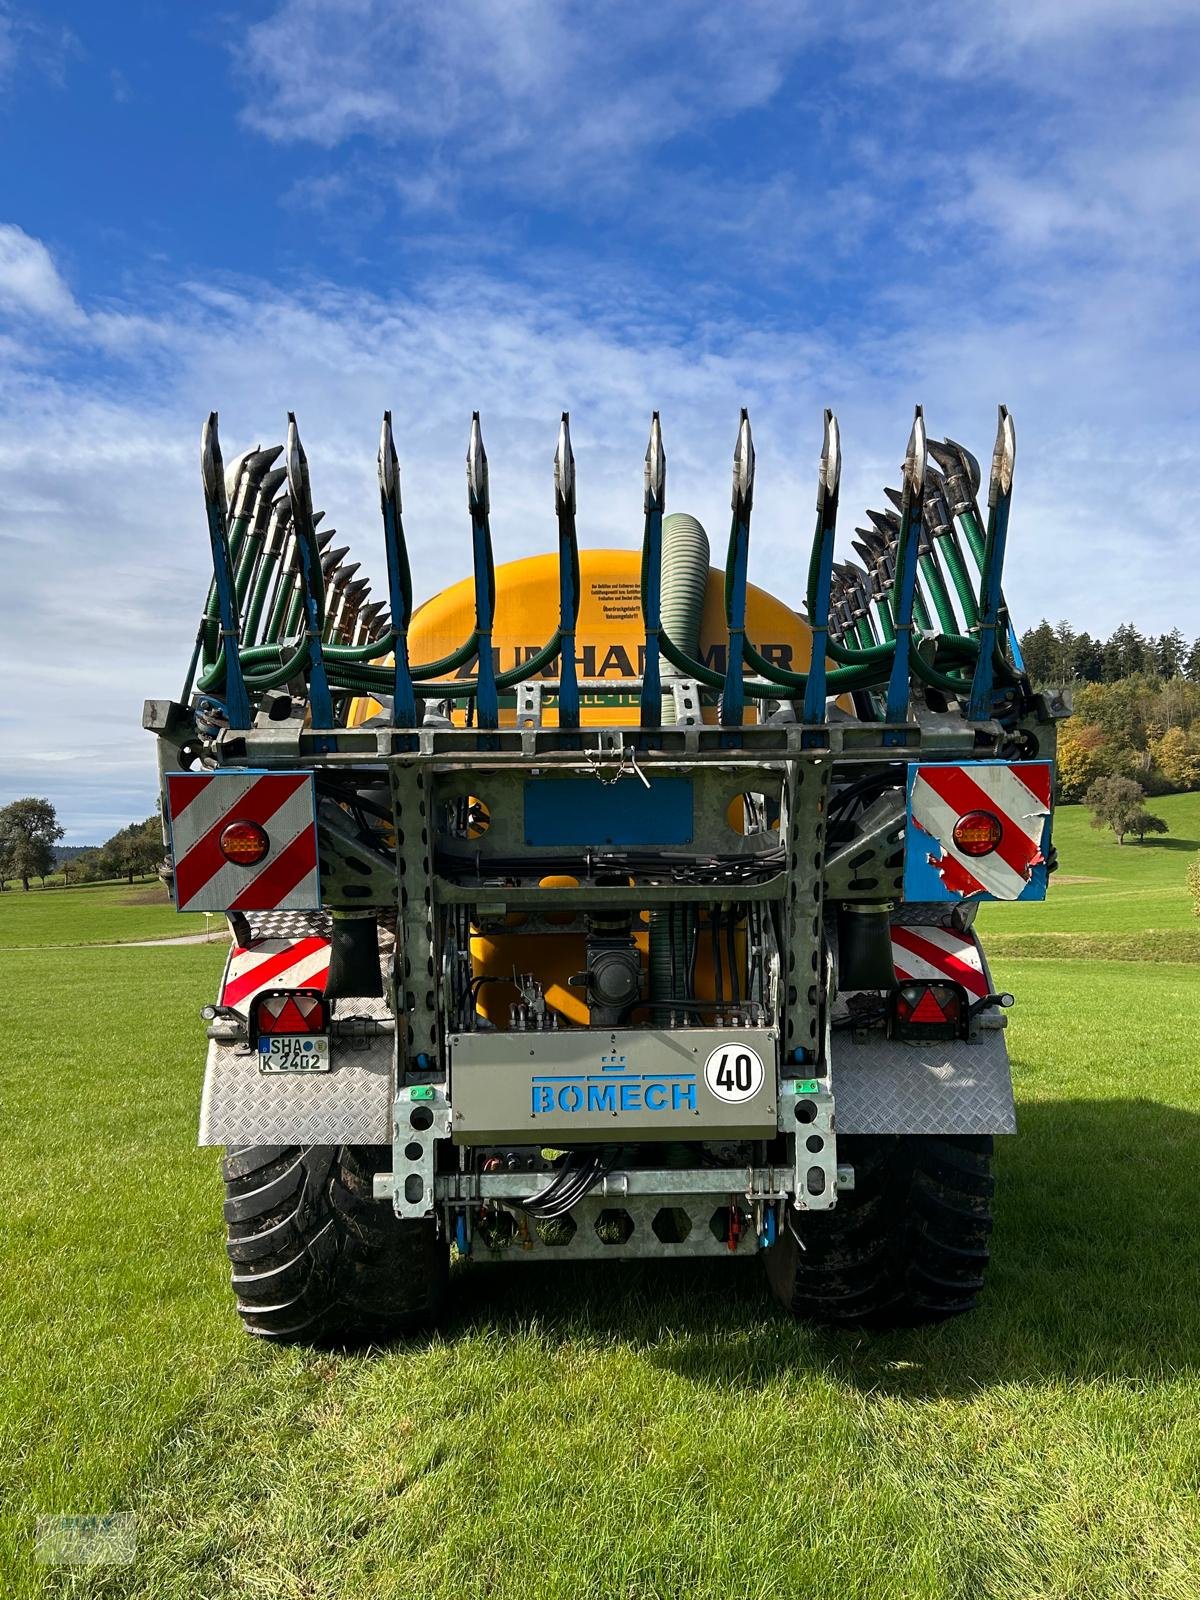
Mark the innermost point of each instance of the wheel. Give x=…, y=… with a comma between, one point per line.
x=315, y=1257
x=908, y=1244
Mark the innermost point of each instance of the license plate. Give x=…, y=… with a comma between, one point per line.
x=293, y=1052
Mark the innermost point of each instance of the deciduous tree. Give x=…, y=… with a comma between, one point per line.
x=29, y=830
x=1145, y=822
x=1115, y=803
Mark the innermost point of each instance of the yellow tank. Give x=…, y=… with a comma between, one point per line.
x=609, y=638
x=609, y=642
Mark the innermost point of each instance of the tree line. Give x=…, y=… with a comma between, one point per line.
x=1137, y=706
x=1056, y=654
x=29, y=848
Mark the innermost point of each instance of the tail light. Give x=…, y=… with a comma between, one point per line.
x=978, y=833
x=935, y=1010
x=243, y=843
x=290, y=1011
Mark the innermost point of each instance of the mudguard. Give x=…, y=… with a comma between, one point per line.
x=889, y=1086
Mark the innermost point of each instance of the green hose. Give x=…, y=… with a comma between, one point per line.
x=961, y=579
x=932, y=573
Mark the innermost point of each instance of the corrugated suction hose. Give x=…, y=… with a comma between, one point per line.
x=684, y=582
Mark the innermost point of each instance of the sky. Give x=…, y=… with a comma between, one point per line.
x=526, y=206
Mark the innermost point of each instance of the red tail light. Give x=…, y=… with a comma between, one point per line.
x=289, y=1011
x=243, y=843
x=935, y=1010
x=978, y=833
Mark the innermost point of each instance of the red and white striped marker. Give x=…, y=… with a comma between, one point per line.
x=938, y=953
x=1017, y=795
x=202, y=805
x=273, y=964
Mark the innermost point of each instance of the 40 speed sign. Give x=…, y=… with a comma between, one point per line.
x=734, y=1072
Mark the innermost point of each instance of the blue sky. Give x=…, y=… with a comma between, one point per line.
x=334, y=206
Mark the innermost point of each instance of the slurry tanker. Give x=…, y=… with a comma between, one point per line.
x=605, y=906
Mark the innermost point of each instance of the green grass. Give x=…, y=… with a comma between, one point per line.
x=93, y=913
x=618, y=1431
x=1131, y=902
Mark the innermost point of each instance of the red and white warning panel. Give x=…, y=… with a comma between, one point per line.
x=937, y=954
x=978, y=829
x=244, y=841
x=273, y=964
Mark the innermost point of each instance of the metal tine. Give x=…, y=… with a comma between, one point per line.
x=334, y=607
x=404, y=704
x=878, y=553
x=888, y=525
x=869, y=556
x=360, y=633
x=991, y=596
x=331, y=560
x=929, y=563
x=943, y=533
x=858, y=585
x=568, y=576
x=733, y=692
x=962, y=481
x=654, y=497
x=365, y=627
x=276, y=610
x=252, y=547
x=335, y=579
x=235, y=495
x=237, y=702
x=839, y=613
x=906, y=572
x=285, y=606
x=845, y=612
x=487, y=702
x=268, y=567
x=956, y=461
x=242, y=485
x=294, y=613
x=847, y=623
x=300, y=489
x=346, y=610
x=841, y=623
x=231, y=477
x=874, y=552
x=821, y=567
x=242, y=480
x=339, y=604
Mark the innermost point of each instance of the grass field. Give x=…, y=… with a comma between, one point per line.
x=93, y=913
x=618, y=1432
x=1124, y=901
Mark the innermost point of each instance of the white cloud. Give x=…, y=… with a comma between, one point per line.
x=556, y=90
x=33, y=45
x=29, y=280
x=102, y=529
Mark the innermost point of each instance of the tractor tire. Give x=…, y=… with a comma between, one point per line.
x=907, y=1245
x=315, y=1258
